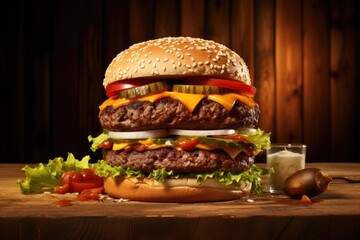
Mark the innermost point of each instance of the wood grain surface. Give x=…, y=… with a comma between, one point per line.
x=335, y=213
x=303, y=57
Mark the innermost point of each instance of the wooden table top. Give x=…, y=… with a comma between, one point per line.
x=333, y=213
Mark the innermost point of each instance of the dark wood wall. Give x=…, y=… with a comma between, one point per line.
x=303, y=58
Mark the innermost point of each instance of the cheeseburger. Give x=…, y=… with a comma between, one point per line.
x=180, y=123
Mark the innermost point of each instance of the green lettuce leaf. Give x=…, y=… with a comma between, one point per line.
x=97, y=140
x=46, y=177
x=260, y=139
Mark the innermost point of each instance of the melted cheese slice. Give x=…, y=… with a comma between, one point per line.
x=233, y=152
x=189, y=100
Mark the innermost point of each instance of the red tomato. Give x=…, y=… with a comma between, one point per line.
x=73, y=181
x=105, y=144
x=113, y=89
x=128, y=149
x=140, y=147
x=89, y=174
x=80, y=186
x=187, y=144
x=231, y=84
x=70, y=176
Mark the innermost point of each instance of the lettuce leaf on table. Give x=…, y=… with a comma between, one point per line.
x=47, y=176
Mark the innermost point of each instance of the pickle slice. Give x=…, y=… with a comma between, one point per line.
x=143, y=90
x=199, y=89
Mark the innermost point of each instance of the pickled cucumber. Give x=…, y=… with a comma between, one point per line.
x=143, y=90
x=199, y=89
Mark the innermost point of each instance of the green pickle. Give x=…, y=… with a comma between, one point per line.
x=199, y=89
x=143, y=90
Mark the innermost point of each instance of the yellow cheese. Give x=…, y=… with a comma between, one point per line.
x=233, y=152
x=188, y=99
x=119, y=146
x=228, y=100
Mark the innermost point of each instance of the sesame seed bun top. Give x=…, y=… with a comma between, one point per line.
x=176, y=57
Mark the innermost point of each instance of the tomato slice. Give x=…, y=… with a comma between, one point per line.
x=106, y=144
x=73, y=181
x=113, y=89
x=230, y=84
x=187, y=144
x=80, y=186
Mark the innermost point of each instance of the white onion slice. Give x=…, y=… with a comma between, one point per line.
x=245, y=130
x=202, y=132
x=139, y=134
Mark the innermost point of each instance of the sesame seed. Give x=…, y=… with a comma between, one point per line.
x=154, y=72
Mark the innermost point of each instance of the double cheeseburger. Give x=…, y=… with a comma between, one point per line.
x=180, y=123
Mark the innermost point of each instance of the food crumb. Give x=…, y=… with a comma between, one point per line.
x=305, y=199
x=250, y=200
x=120, y=200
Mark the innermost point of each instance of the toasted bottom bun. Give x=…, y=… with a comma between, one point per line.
x=173, y=190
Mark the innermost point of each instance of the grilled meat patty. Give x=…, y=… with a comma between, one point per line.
x=196, y=161
x=171, y=113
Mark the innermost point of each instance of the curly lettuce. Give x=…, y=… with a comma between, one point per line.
x=47, y=176
x=252, y=175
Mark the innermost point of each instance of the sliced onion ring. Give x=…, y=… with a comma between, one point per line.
x=201, y=132
x=139, y=134
x=245, y=130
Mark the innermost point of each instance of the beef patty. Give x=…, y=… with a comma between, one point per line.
x=195, y=161
x=172, y=113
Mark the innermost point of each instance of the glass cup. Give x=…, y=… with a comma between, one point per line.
x=285, y=159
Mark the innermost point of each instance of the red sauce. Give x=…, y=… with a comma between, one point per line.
x=90, y=194
x=63, y=203
x=187, y=144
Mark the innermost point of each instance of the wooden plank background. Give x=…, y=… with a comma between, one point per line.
x=303, y=57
